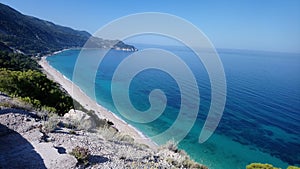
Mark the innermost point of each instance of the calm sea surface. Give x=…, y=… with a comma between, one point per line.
x=261, y=121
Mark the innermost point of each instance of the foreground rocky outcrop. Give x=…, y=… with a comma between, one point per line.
x=29, y=141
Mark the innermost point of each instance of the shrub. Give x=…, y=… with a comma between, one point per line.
x=192, y=164
x=171, y=145
x=72, y=124
x=35, y=88
x=260, y=166
x=51, y=124
x=187, y=163
x=72, y=132
x=17, y=103
x=15, y=61
x=266, y=166
x=182, y=153
x=108, y=133
x=5, y=104
x=293, y=167
x=81, y=154
x=173, y=162
x=125, y=138
x=141, y=146
x=48, y=109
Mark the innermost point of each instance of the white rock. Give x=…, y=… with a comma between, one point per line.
x=52, y=158
x=84, y=120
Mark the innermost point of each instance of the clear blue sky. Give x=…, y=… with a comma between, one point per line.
x=272, y=25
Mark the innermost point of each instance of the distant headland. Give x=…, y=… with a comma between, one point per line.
x=31, y=36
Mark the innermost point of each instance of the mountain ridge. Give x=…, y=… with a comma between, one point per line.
x=31, y=35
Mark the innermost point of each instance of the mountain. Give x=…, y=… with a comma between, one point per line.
x=30, y=35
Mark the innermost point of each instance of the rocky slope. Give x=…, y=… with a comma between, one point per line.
x=28, y=141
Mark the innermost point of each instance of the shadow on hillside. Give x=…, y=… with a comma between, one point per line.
x=17, y=111
x=98, y=159
x=17, y=152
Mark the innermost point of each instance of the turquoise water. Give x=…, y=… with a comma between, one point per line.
x=261, y=117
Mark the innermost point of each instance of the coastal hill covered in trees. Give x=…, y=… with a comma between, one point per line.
x=31, y=35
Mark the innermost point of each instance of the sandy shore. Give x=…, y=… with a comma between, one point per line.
x=77, y=94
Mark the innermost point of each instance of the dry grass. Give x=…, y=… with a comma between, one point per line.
x=51, y=124
x=16, y=103
x=178, y=158
x=170, y=145
x=112, y=134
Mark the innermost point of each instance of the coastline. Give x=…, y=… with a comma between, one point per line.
x=76, y=93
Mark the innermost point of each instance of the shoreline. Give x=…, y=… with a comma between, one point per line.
x=76, y=93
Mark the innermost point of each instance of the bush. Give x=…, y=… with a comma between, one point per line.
x=108, y=133
x=72, y=132
x=187, y=163
x=35, y=88
x=48, y=109
x=171, y=145
x=266, y=166
x=293, y=167
x=17, y=103
x=5, y=104
x=81, y=154
x=191, y=164
x=260, y=166
x=125, y=138
x=51, y=124
x=16, y=61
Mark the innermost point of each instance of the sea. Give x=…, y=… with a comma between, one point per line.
x=260, y=121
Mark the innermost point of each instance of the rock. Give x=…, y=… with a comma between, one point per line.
x=27, y=119
x=52, y=158
x=84, y=120
x=49, y=139
x=21, y=139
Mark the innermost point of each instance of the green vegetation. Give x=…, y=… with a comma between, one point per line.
x=192, y=164
x=20, y=76
x=81, y=154
x=293, y=167
x=51, y=124
x=266, y=166
x=35, y=36
x=14, y=61
x=260, y=166
x=16, y=104
x=34, y=87
x=179, y=158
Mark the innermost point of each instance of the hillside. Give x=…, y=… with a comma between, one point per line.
x=31, y=142
x=31, y=35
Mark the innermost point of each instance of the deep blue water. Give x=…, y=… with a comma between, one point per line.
x=261, y=120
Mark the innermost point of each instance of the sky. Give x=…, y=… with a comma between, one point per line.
x=268, y=25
